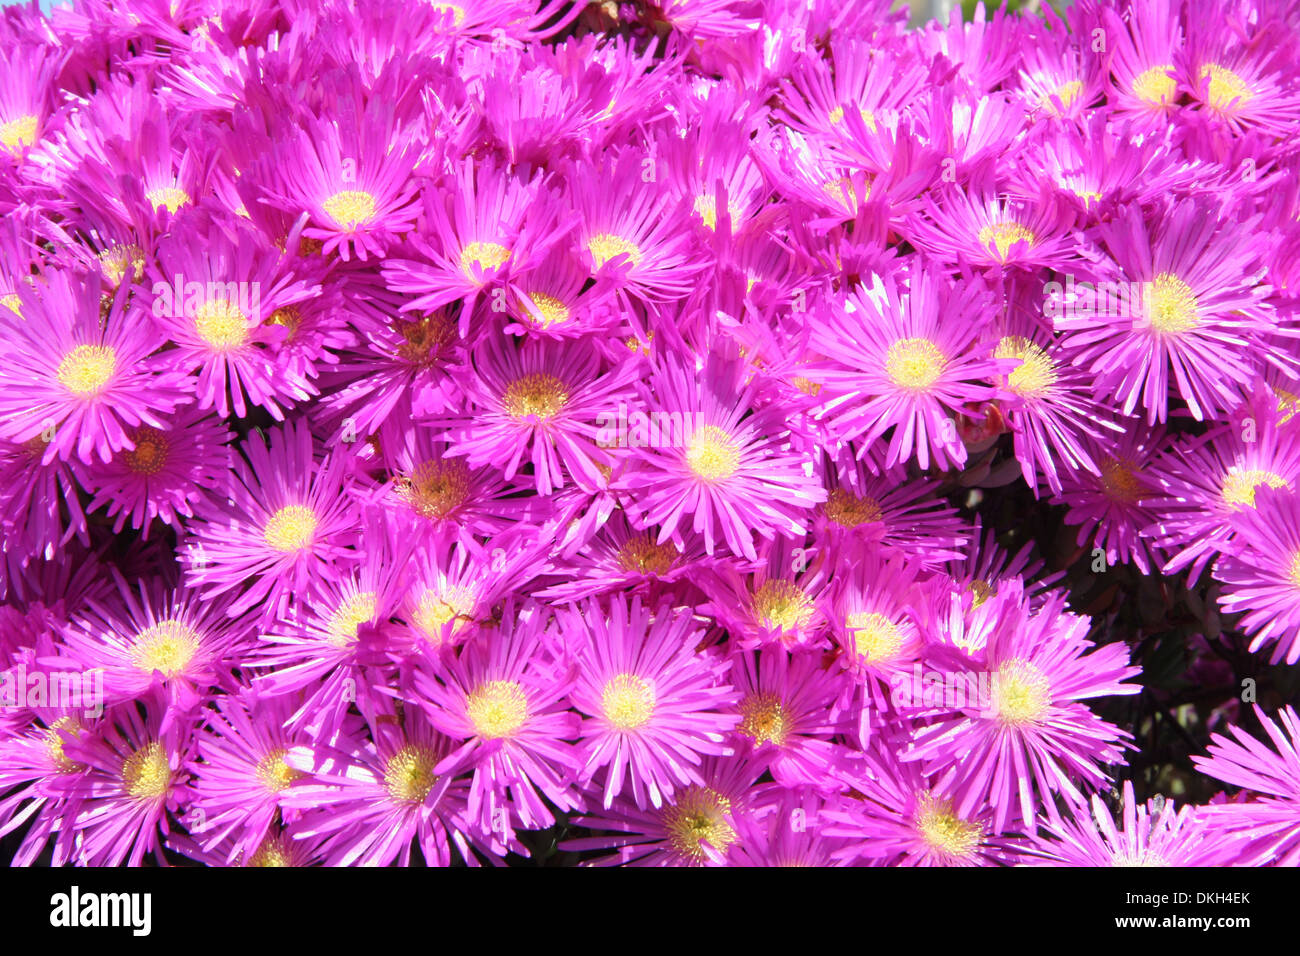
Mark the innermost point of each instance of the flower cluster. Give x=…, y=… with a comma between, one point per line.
x=425, y=425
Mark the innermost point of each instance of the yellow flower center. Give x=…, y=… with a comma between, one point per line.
x=115, y=261
x=1226, y=87
x=457, y=12
x=350, y=208
x=706, y=207
x=435, y=488
x=640, y=553
x=806, y=385
x=167, y=646
x=536, y=395
x=712, y=454
x=1119, y=481
x=435, y=608
x=628, y=701
x=782, y=604
x=553, y=310
x=1293, y=570
x=289, y=317
x=1171, y=305
x=497, y=709
x=1004, y=235
x=947, y=833
x=914, y=364
x=221, y=324
x=292, y=528
x=981, y=591
x=764, y=719
x=848, y=510
x=699, y=816
x=408, y=774
x=1239, y=484
x=484, y=255
x=1067, y=93
x=1021, y=693
x=87, y=369
x=274, y=851
x=169, y=196
x=274, y=774
x=1155, y=85
x=13, y=303
x=425, y=339
x=150, y=452
x=342, y=625
x=146, y=774
x=875, y=637
x=1035, y=374
x=842, y=191
x=18, y=133
x=607, y=246
x=54, y=741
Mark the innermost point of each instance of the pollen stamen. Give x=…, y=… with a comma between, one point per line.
x=875, y=637
x=497, y=709
x=949, y=835
x=146, y=774
x=487, y=256
x=350, y=208
x=221, y=324
x=699, y=816
x=347, y=619
x=628, y=701
x=1119, y=481
x=408, y=774
x=149, y=456
x=553, y=310
x=435, y=488
x=914, y=364
x=1226, y=87
x=764, y=718
x=1155, y=86
x=290, y=529
x=16, y=134
x=1035, y=374
x=537, y=395
x=115, y=261
x=1171, y=306
x=712, y=454
x=1239, y=484
x=167, y=646
x=642, y=554
x=1004, y=235
x=1021, y=693
x=170, y=197
x=607, y=246
x=274, y=773
x=87, y=369
x=848, y=510
x=54, y=741
x=782, y=604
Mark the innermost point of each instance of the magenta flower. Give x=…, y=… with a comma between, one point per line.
x=734, y=468
x=654, y=706
x=502, y=702
x=77, y=380
x=1155, y=833
x=1032, y=738
x=284, y=524
x=904, y=358
x=1268, y=821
